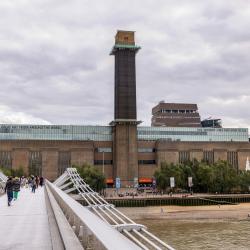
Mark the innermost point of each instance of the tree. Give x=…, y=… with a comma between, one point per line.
x=205, y=177
x=12, y=172
x=92, y=176
x=6, y=171
x=226, y=177
x=169, y=170
x=217, y=177
x=244, y=180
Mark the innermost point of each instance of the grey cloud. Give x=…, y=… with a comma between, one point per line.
x=54, y=62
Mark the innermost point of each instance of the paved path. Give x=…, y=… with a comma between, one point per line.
x=24, y=225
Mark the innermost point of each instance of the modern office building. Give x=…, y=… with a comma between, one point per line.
x=175, y=115
x=123, y=149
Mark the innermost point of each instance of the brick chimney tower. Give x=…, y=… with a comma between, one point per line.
x=125, y=117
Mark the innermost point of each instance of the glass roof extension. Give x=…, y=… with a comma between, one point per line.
x=55, y=132
x=104, y=133
x=192, y=134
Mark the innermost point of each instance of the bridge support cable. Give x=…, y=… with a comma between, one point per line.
x=108, y=213
x=3, y=180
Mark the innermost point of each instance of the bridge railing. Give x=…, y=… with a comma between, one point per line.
x=3, y=179
x=93, y=232
x=71, y=181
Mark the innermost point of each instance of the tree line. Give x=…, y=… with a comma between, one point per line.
x=218, y=177
x=19, y=172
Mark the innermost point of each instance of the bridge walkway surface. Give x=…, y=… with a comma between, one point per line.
x=25, y=225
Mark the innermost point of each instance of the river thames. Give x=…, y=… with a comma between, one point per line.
x=203, y=234
x=197, y=227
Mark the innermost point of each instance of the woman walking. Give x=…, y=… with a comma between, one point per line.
x=9, y=190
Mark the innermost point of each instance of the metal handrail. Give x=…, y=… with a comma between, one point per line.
x=92, y=230
x=108, y=213
x=3, y=180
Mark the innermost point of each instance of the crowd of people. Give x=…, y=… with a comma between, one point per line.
x=14, y=185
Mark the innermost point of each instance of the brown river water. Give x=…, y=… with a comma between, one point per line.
x=201, y=234
x=198, y=227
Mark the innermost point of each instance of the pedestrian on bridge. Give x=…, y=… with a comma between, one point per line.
x=33, y=185
x=41, y=181
x=9, y=190
x=37, y=181
x=16, y=187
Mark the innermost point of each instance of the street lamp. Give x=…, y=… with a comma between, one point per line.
x=103, y=162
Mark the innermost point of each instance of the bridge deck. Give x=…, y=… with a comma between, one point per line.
x=24, y=225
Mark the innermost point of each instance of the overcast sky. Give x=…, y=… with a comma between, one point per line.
x=55, y=66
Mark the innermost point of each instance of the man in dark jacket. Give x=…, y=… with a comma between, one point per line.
x=9, y=190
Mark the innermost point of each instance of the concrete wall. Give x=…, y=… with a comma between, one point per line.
x=20, y=158
x=125, y=153
x=242, y=157
x=50, y=163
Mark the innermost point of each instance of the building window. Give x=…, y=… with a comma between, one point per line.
x=184, y=156
x=64, y=161
x=208, y=156
x=35, y=163
x=5, y=159
x=100, y=162
x=146, y=150
x=232, y=158
x=146, y=162
x=105, y=150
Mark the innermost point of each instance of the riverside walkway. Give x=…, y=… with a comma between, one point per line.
x=24, y=225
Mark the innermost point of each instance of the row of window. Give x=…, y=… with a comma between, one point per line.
x=166, y=132
x=140, y=150
x=101, y=162
x=146, y=150
x=208, y=156
x=64, y=161
x=176, y=117
x=146, y=162
x=183, y=111
x=105, y=150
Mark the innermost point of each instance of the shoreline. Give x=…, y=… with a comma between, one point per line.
x=212, y=212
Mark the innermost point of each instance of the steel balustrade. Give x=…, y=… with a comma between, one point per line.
x=71, y=181
x=91, y=231
x=3, y=180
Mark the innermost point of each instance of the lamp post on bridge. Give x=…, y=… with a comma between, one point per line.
x=103, y=162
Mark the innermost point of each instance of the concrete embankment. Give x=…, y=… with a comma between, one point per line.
x=214, y=212
x=180, y=200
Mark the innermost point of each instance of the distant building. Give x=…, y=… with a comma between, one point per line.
x=175, y=115
x=211, y=123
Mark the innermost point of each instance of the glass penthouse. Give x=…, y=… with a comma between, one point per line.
x=104, y=133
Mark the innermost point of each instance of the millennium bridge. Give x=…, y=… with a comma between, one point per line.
x=52, y=219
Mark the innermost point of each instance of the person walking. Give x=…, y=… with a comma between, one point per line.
x=37, y=181
x=9, y=190
x=41, y=181
x=33, y=185
x=16, y=187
